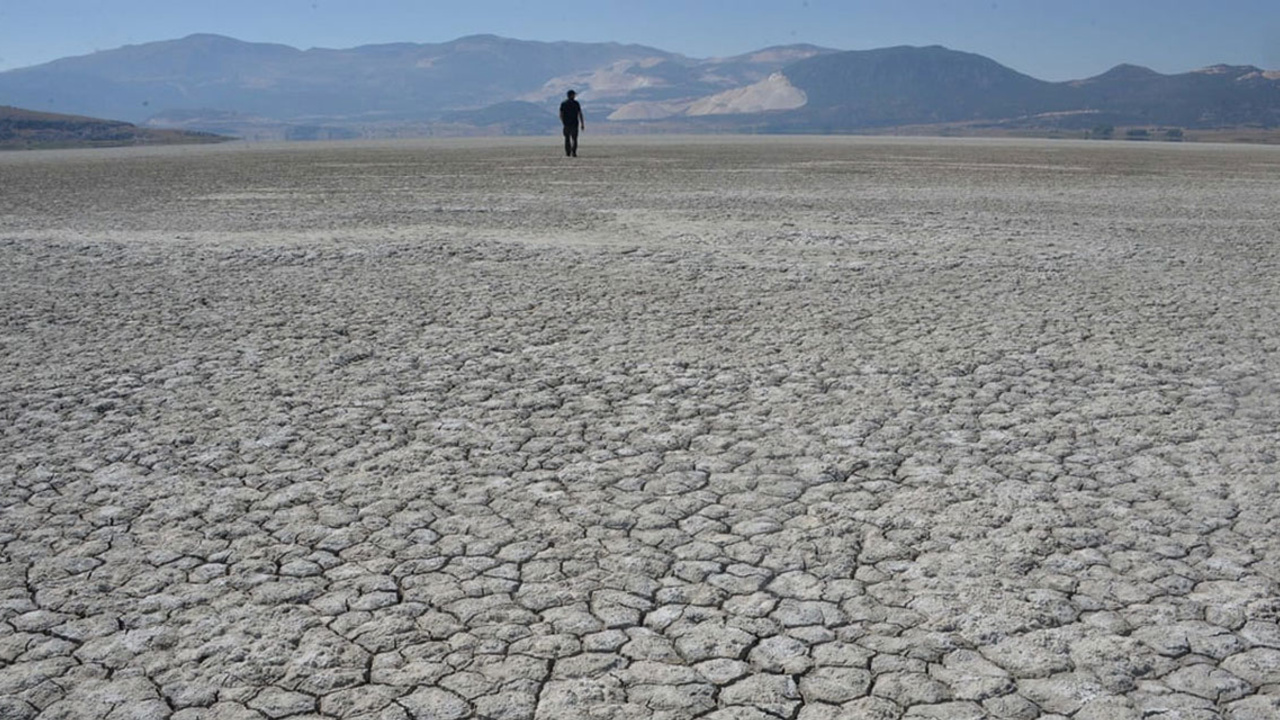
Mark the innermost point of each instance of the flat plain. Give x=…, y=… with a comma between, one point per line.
x=682, y=428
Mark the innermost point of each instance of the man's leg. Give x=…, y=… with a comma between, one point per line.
x=568, y=137
x=574, y=134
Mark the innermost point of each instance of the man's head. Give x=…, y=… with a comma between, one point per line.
x=572, y=94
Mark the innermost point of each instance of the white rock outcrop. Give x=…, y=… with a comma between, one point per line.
x=773, y=93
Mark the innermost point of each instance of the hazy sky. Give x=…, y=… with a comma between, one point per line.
x=1049, y=39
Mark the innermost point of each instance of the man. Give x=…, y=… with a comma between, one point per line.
x=572, y=119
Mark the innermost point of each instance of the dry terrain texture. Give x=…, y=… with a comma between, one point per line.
x=714, y=428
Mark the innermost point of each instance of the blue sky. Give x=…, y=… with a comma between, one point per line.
x=1050, y=39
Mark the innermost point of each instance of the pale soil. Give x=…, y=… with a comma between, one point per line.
x=723, y=428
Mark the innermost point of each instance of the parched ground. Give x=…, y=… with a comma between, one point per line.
x=683, y=428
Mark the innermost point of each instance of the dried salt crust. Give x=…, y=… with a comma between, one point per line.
x=722, y=428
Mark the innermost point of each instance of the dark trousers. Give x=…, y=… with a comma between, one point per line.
x=570, y=139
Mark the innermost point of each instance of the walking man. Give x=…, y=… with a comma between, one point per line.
x=571, y=117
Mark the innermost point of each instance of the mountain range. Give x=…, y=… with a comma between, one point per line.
x=486, y=83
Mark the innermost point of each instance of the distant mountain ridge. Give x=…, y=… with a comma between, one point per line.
x=369, y=83
x=910, y=85
x=495, y=84
x=913, y=86
x=379, y=81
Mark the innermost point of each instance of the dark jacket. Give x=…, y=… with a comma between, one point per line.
x=570, y=113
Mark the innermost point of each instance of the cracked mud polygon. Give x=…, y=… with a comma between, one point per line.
x=682, y=428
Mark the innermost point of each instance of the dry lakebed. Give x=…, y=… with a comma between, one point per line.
x=728, y=428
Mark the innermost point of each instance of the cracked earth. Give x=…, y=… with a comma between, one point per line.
x=715, y=428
